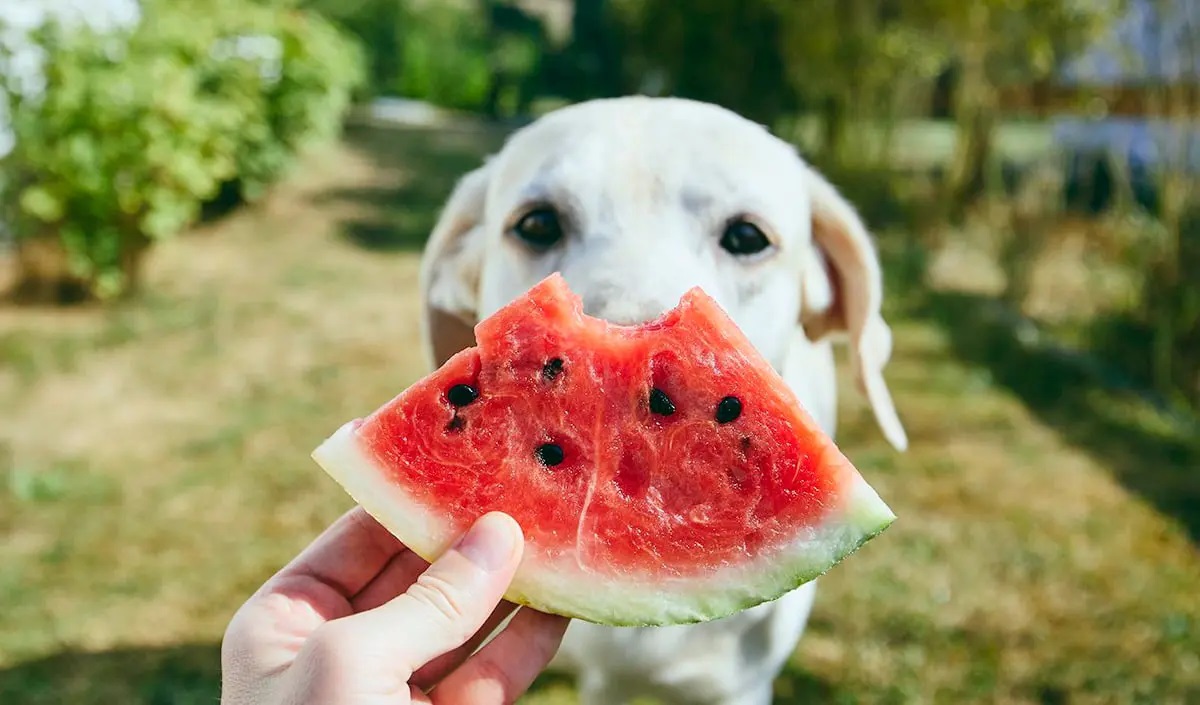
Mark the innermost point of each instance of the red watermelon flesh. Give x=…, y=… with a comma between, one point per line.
x=663, y=473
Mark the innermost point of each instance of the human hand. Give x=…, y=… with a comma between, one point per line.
x=358, y=619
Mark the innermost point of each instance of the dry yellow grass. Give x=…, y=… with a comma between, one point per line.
x=155, y=469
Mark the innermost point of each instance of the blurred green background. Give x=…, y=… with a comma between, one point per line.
x=210, y=218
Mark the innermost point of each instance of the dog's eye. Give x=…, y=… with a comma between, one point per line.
x=742, y=237
x=540, y=228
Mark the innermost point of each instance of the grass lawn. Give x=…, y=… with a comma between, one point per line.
x=154, y=470
x=924, y=143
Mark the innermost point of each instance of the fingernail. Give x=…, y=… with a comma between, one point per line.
x=490, y=542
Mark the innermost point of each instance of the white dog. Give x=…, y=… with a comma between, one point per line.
x=635, y=200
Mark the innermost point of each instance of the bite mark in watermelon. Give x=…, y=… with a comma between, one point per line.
x=663, y=473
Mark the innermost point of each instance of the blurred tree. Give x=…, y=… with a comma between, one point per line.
x=479, y=55
x=516, y=42
x=849, y=60
x=379, y=26
x=595, y=50
x=713, y=50
x=997, y=43
x=768, y=59
x=444, y=53
x=856, y=60
x=1170, y=297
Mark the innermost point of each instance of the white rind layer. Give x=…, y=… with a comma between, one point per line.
x=567, y=588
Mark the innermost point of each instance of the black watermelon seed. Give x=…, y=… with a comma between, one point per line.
x=462, y=394
x=660, y=403
x=728, y=409
x=745, y=445
x=549, y=454
x=552, y=369
x=456, y=424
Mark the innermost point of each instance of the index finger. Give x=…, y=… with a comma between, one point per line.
x=346, y=556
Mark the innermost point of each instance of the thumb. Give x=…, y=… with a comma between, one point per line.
x=452, y=600
x=441, y=611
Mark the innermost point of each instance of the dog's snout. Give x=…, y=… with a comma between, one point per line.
x=642, y=292
x=635, y=300
x=623, y=305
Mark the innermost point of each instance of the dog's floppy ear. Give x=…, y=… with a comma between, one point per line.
x=450, y=268
x=843, y=293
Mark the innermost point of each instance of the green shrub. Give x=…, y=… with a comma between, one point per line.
x=468, y=55
x=136, y=130
x=444, y=54
x=241, y=65
x=120, y=150
x=301, y=95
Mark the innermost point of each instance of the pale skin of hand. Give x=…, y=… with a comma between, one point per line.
x=358, y=619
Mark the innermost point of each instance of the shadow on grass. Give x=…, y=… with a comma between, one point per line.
x=420, y=167
x=190, y=674
x=1150, y=458
x=175, y=675
x=171, y=675
x=796, y=687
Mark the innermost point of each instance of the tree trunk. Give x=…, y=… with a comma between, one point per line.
x=975, y=117
x=134, y=248
x=972, y=150
x=44, y=274
x=1173, y=297
x=833, y=126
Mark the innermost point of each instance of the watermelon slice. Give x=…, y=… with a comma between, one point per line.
x=663, y=473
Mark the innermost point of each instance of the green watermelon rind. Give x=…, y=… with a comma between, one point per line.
x=564, y=588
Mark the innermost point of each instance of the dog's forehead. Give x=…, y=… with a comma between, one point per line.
x=651, y=147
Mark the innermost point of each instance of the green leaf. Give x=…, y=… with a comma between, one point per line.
x=39, y=203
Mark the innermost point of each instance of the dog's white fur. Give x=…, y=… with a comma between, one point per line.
x=644, y=188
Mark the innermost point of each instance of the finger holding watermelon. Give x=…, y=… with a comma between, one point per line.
x=358, y=619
